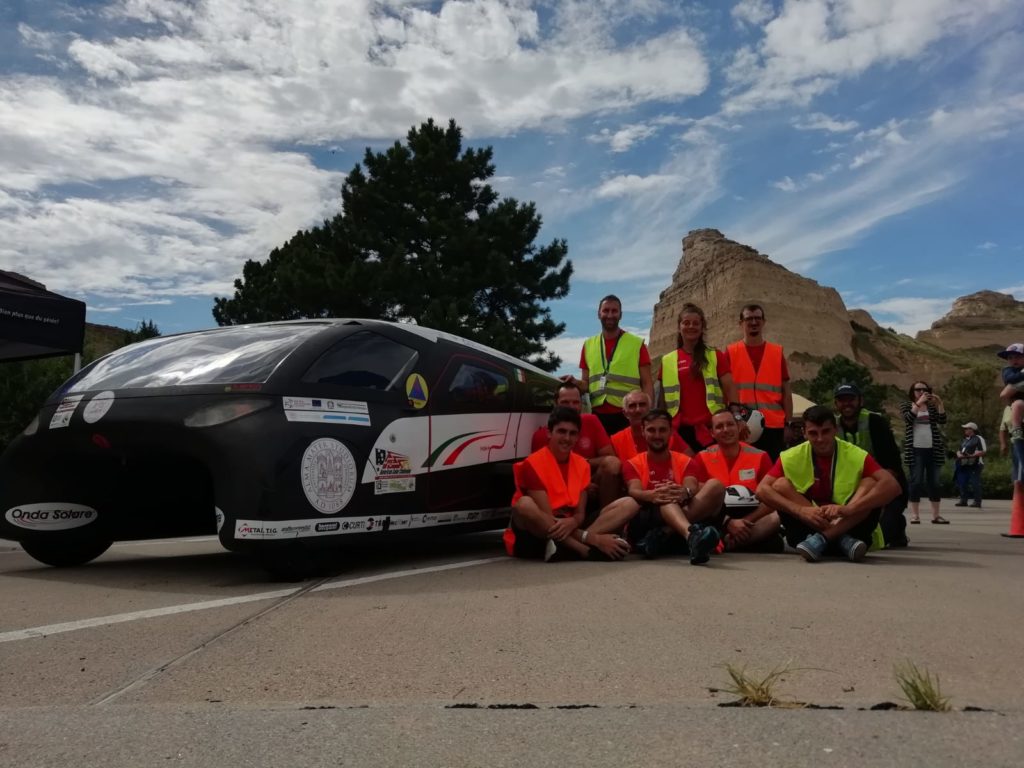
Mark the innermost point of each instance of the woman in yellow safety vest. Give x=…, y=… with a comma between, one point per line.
x=696, y=380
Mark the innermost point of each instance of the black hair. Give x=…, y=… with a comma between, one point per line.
x=820, y=415
x=610, y=297
x=563, y=413
x=752, y=308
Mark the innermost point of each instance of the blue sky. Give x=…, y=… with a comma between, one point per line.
x=149, y=147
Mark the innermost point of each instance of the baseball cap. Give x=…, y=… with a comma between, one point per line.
x=846, y=389
x=1013, y=349
x=969, y=425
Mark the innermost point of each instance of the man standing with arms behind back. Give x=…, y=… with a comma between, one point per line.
x=872, y=432
x=761, y=378
x=612, y=364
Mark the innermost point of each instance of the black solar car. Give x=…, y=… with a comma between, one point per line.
x=280, y=437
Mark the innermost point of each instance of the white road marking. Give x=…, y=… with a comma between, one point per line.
x=171, y=610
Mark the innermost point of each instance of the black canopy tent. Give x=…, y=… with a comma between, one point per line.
x=35, y=322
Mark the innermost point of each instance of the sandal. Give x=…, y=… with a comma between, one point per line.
x=940, y=520
x=915, y=521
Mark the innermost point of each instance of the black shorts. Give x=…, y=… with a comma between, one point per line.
x=797, y=530
x=643, y=521
x=526, y=544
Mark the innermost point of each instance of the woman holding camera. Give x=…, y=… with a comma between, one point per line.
x=924, y=447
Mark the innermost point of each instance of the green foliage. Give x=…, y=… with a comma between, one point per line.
x=995, y=476
x=841, y=370
x=24, y=387
x=420, y=236
x=145, y=330
x=973, y=396
x=920, y=688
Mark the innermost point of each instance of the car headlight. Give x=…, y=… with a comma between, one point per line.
x=222, y=413
x=32, y=428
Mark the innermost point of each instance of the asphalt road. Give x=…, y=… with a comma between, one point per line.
x=447, y=653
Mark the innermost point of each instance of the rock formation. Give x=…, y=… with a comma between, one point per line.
x=982, y=320
x=810, y=320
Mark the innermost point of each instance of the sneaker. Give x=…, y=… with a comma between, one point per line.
x=976, y=506
x=550, y=550
x=653, y=544
x=960, y=504
x=813, y=547
x=854, y=549
x=701, y=542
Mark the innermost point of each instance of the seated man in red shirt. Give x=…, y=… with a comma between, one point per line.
x=593, y=445
x=631, y=441
x=735, y=463
x=828, y=492
x=550, y=497
x=662, y=505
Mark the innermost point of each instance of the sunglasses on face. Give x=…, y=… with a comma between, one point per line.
x=921, y=389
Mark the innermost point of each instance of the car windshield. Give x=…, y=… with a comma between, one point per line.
x=225, y=356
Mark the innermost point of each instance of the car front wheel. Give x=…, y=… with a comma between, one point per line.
x=65, y=551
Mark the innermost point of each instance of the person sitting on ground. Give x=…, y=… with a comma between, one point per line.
x=735, y=463
x=873, y=432
x=593, y=445
x=663, y=507
x=970, y=459
x=550, y=498
x=828, y=492
x=631, y=441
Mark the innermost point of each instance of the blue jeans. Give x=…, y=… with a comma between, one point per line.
x=970, y=479
x=924, y=476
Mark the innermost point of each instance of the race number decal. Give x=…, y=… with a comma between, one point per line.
x=328, y=475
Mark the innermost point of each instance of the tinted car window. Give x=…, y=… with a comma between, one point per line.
x=474, y=385
x=224, y=356
x=364, y=359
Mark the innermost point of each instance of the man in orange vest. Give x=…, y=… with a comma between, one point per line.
x=631, y=441
x=663, y=507
x=760, y=377
x=747, y=523
x=551, y=495
x=593, y=445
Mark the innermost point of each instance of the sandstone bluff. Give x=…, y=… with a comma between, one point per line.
x=812, y=322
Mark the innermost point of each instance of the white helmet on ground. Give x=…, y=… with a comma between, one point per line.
x=755, y=423
x=739, y=496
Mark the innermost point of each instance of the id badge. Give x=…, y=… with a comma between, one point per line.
x=602, y=382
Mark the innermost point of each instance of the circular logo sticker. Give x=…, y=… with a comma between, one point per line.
x=416, y=390
x=97, y=408
x=328, y=475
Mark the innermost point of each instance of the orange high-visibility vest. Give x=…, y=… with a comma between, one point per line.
x=643, y=468
x=560, y=493
x=624, y=444
x=743, y=471
x=761, y=389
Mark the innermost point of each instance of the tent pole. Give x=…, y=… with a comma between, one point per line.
x=78, y=362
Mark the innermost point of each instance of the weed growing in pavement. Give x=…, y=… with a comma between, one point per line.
x=756, y=691
x=920, y=688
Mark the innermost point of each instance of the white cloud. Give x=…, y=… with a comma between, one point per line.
x=866, y=157
x=194, y=113
x=908, y=314
x=821, y=122
x=624, y=138
x=754, y=12
x=811, y=45
x=786, y=184
x=988, y=245
x=632, y=185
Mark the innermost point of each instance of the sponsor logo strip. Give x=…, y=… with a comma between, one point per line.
x=62, y=416
x=326, y=410
x=263, y=530
x=50, y=516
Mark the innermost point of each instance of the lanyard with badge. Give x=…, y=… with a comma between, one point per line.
x=606, y=360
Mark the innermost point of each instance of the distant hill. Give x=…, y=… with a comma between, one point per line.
x=813, y=323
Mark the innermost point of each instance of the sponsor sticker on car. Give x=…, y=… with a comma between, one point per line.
x=65, y=410
x=50, y=516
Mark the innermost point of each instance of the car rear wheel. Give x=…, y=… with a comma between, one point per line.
x=66, y=551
